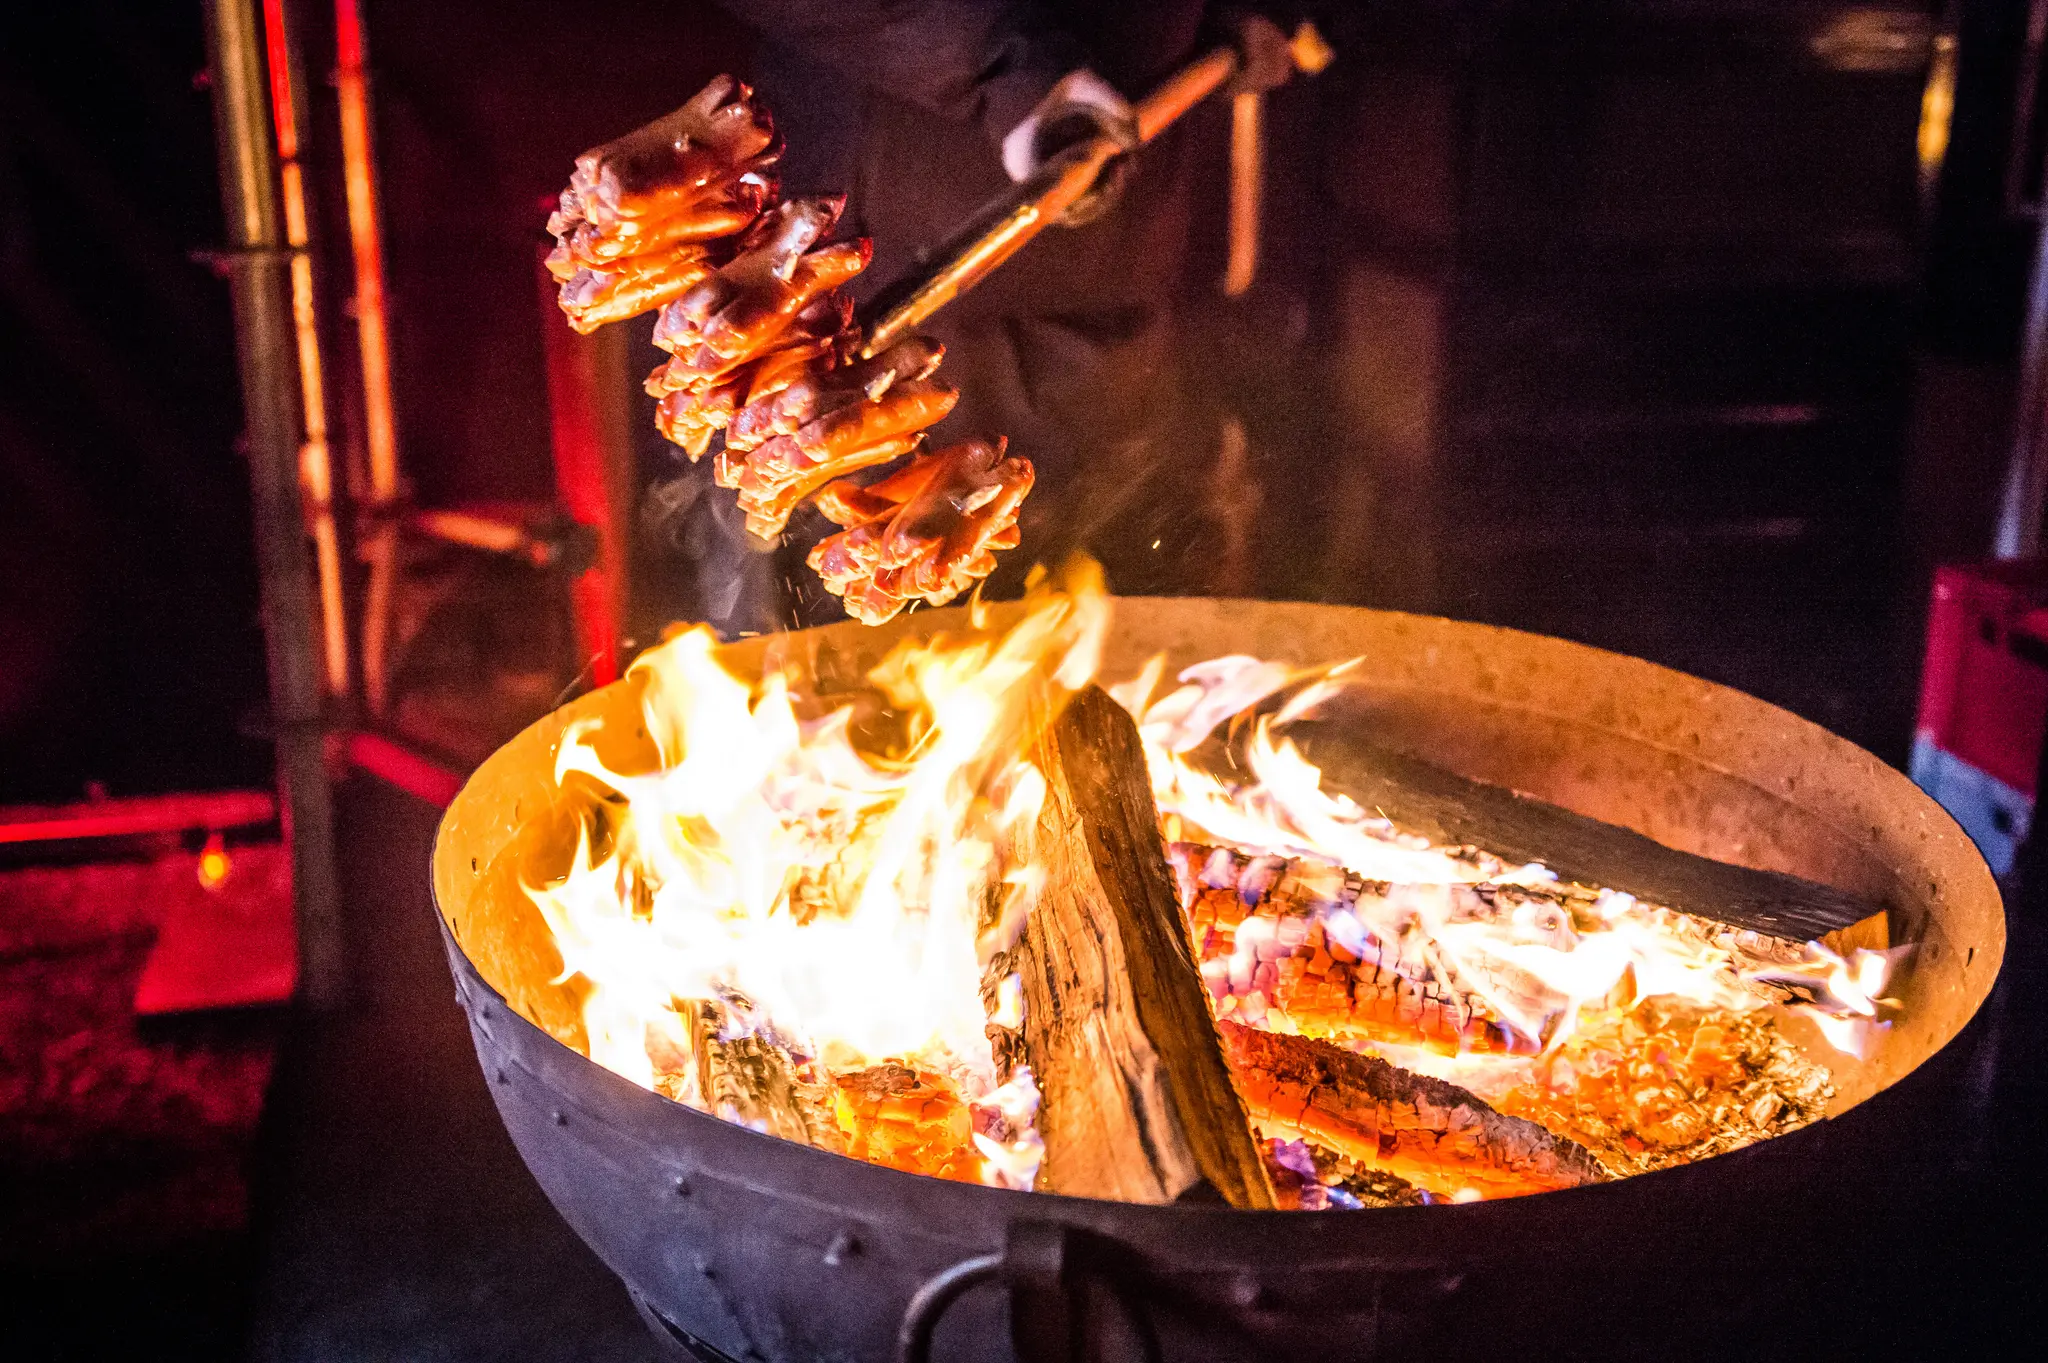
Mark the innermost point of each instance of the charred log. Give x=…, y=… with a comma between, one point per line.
x=1420, y=797
x=1136, y=1103
x=753, y=1081
x=1427, y=1132
x=1282, y=942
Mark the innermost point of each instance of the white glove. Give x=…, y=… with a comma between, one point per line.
x=1082, y=105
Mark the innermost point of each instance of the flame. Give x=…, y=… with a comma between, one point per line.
x=1536, y=967
x=828, y=887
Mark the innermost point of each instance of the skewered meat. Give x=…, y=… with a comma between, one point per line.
x=636, y=225
x=786, y=403
x=691, y=414
x=777, y=475
x=760, y=338
x=594, y=297
x=772, y=310
x=777, y=272
x=930, y=530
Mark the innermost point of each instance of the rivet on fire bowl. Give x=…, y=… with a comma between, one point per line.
x=843, y=1247
x=1249, y=1293
x=561, y=1117
x=682, y=1186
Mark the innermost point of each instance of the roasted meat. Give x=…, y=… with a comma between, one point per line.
x=680, y=216
x=641, y=219
x=929, y=530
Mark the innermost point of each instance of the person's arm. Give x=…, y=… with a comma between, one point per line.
x=989, y=62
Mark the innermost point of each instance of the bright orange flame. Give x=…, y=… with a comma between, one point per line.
x=835, y=882
x=214, y=864
x=1554, y=969
x=828, y=889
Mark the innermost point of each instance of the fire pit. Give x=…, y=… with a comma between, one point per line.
x=741, y=1245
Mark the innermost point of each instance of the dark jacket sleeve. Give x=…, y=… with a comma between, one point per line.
x=981, y=61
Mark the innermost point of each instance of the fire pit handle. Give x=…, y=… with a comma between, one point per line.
x=1043, y=1264
x=921, y=1317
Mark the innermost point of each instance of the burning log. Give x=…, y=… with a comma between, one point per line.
x=1282, y=942
x=1432, y=1134
x=1137, y=1102
x=1302, y=945
x=748, y=1079
x=1664, y=1084
x=1420, y=797
x=886, y=1114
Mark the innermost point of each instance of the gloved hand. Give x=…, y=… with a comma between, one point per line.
x=1081, y=107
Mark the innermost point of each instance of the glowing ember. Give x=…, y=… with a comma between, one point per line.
x=1533, y=952
x=214, y=864
x=787, y=921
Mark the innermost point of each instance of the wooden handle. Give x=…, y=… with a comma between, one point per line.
x=1182, y=91
x=1247, y=172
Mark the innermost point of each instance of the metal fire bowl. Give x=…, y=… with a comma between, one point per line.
x=743, y=1246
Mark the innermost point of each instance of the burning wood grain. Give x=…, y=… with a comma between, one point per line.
x=1137, y=1103
x=1431, y=1134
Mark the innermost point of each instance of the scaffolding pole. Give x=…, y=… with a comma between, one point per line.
x=259, y=260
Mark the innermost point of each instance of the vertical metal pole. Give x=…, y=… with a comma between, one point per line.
x=266, y=344
x=359, y=177
x=316, y=463
x=2026, y=477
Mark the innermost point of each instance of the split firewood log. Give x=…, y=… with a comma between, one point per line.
x=1432, y=1134
x=754, y=1081
x=1301, y=945
x=891, y=1114
x=1447, y=808
x=1136, y=1102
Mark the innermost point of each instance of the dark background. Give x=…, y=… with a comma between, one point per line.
x=129, y=645
x=1634, y=321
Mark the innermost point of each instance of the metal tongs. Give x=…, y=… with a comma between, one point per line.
x=999, y=229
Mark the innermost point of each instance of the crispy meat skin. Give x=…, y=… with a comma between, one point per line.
x=785, y=400
x=930, y=530
x=641, y=215
x=679, y=215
